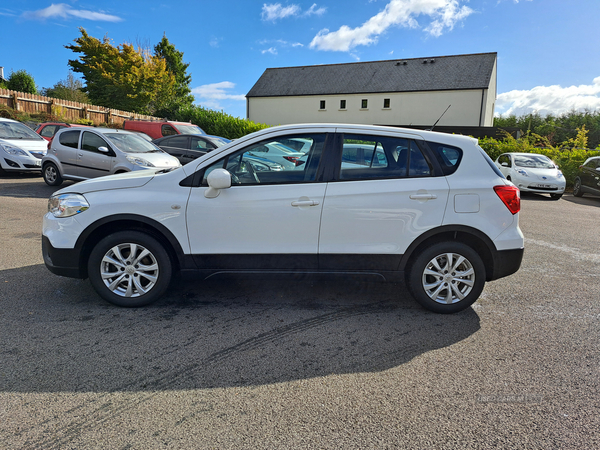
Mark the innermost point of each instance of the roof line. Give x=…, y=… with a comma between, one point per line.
x=382, y=61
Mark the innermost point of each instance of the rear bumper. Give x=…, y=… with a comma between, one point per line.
x=506, y=262
x=62, y=261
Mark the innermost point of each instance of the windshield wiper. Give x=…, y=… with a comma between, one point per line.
x=166, y=170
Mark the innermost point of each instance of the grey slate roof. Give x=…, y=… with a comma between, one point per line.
x=399, y=75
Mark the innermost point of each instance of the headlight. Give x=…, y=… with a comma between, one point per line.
x=139, y=161
x=560, y=175
x=67, y=205
x=522, y=172
x=12, y=150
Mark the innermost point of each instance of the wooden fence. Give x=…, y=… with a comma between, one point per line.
x=66, y=110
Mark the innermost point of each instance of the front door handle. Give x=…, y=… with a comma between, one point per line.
x=305, y=203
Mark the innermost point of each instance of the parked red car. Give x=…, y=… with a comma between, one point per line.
x=156, y=130
x=47, y=130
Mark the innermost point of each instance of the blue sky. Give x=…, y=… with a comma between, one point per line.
x=548, y=50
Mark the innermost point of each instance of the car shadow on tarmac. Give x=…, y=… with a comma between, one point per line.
x=59, y=336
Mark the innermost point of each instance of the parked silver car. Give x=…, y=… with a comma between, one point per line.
x=80, y=154
x=21, y=148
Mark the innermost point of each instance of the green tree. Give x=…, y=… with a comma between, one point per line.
x=21, y=81
x=122, y=77
x=69, y=89
x=174, y=59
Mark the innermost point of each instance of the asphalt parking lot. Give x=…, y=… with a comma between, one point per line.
x=285, y=364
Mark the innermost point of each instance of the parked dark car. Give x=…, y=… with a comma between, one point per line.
x=588, y=178
x=187, y=147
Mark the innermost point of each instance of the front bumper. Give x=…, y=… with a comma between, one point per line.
x=23, y=164
x=62, y=261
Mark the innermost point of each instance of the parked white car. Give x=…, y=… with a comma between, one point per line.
x=532, y=172
x=84, y=153
x=445, y=230
x=21, y=148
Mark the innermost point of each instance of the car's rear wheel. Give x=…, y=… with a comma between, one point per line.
x=130, y=269
x=51, y=175
x=447, y=277
x=577, y=192
x=555, y=196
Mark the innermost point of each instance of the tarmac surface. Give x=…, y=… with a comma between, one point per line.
x=287, y=364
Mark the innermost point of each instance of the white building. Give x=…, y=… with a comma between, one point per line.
x=396, y=92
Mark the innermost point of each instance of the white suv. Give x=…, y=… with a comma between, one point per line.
x=383, y=203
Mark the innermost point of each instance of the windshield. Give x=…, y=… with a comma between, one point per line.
x=219, y=142
x=189, y=129
x=16, y=130
x=534, y=162
x=132, y=143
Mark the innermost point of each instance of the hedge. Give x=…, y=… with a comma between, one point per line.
x=219, y=123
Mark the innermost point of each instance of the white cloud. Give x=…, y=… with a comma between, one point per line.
x=64, y=11
x=275, y=11
x=315, y=11
x=217, y=91
x=278, y=43
x=444, y=14
x=554, y=100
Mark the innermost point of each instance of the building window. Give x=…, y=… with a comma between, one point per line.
x=322, y=104
x=364, y=103
x=342, y=104
x=386, y=103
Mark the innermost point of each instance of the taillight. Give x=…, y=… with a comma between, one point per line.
x=510, y=196
x=293, y=159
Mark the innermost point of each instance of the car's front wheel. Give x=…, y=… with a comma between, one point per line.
x=555, y=196
x=51, y=175
x=447, y=277
x=577, y=192
x=130, y=268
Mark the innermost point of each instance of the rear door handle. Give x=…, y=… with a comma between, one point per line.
x=423, y=196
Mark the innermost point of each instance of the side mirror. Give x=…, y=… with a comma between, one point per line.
x=505, y=164
x=218, y=179
x=103, y=149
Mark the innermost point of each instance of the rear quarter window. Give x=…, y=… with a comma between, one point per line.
x=448, y=156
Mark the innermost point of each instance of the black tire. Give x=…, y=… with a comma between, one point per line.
x=555, y=196
x=577, y=192
x=51, y=175
x=126, y=284
x=468, y=281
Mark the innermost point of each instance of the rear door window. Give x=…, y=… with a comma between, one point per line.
x=69, y=138
x=177, y=142
x=375, y=157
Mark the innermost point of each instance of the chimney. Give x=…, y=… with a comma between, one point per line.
x=1, y=73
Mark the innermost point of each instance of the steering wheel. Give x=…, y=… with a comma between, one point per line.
x=252, y=172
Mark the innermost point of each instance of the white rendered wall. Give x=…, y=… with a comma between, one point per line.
x=418, y=108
